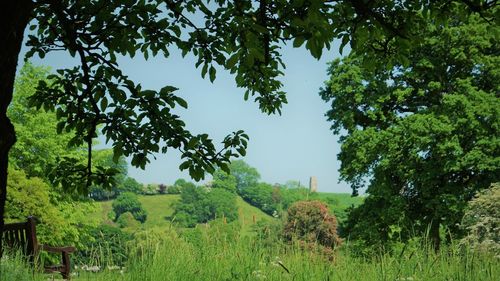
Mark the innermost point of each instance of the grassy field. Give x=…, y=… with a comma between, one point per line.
x=219, y=255
x=160, y=210
x=218, y=252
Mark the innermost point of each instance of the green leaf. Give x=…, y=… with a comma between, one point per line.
x=212, y=73
x=204, y=70
x=299, y=40
x=231, y=62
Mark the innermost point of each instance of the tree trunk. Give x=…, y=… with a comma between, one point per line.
x=15, y=16
x=434, y=237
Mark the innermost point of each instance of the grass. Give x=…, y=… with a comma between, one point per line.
x=225, y=252
x=220, y=255
x=248, y=215
x=160, y=210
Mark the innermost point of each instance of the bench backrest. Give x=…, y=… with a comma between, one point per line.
x=22, y=235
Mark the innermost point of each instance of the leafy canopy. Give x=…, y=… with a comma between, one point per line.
x=424, y=134
x=243, y=37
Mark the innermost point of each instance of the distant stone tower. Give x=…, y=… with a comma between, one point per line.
x=313, y=184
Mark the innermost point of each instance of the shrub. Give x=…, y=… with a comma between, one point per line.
x=128, y=202
x=199, y=205
x=260, y=196
x=127, y=220
x=106, y=246
x=310, y=221
x=174, y=189
x=481, y=221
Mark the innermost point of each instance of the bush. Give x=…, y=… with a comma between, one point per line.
x=199, y=205
x=481, y=221
x=128, y=202
x=310, y=221
x=260, y=196
x=127, y=220
x=174, y=189
x=106, y=246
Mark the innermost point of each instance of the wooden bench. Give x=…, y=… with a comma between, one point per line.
x=23, y=235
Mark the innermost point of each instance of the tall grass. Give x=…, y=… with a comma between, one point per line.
x=14, y=267
x=217, y=254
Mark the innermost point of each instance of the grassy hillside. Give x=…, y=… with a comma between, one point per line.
x=249, y=215
x=160, y=210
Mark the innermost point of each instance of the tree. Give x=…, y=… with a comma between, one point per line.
x=128, y=202
x=311, y=222
x=242, y=37
x=104, y=158
x=245, y=174
x=482, y=220
x=130, y=185
x=162, y=189
x=200, y=205
x=260, y=196
x=223, y=180
x=425, y=133
x=182, y=183
x=38, y=148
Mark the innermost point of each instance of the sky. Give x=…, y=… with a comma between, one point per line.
x=294, y=146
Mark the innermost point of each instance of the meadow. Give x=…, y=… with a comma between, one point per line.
x=248, y=250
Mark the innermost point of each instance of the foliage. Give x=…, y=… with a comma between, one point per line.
x=481, y=221
x=245, y=175
x=423, y=133
x=260, y=196
x=59, y=223
x=105, y=246
x=310, y=221
x=38, y=148
x=120, y=181
x=130, y=185
x=199, y=205
x=127, y=220
x=173, y=189
x=150, y=189
x=180, y=184
x=242, y=37
x=223, y=180
x=128, y=202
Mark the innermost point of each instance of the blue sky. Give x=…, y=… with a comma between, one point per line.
x=294, y=146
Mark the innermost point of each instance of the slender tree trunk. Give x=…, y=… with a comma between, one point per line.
x=14, y=16
x=434, y=237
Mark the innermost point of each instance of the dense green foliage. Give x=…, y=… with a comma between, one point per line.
x=423, y=133
x=179, y=185
x=311, y=222
x=59, y=222
x=481, y=221
x=200, y=205
x=120, y=183
x=38, y=147
x=128, y=202
x=224, y=180
x=246, y=175
x=105, y=246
